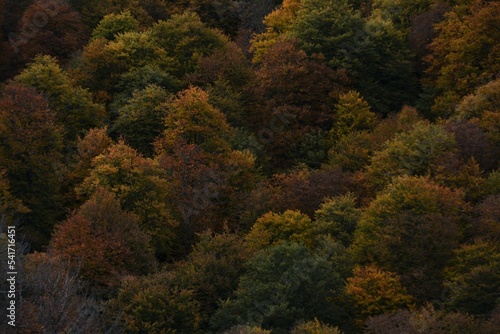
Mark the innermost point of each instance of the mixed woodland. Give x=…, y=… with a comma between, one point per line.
x=251, y=166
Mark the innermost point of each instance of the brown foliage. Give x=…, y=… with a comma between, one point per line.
x=31, y=155
x=294, y=95
x=104, y=241
x=300, y=190
x=50, y=27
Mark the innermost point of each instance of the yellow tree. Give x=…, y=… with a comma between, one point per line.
x=375, y=291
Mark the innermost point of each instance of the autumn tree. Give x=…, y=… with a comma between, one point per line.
x=375, y=291
x=300, y=189
x=464, y=53
x=411, y=228
x=421, y=32
x=294, y=94
x=485, y=98
x=272, y=229
x=277, y=23
x=195, y=152
x=31, y=155
x=245, y=329
x=487, y=213
x=51, y=28
x=190, y=118
x=198, y=184
x=95, y=142
x=105, y=242
x=139, y=185
x=227, y=64
x=474, y=143
x=314, y=327
x=352, y=113
x=73, y=105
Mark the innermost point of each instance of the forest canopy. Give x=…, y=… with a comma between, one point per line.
x=295, y=166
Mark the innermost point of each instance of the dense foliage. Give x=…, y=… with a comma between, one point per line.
x=295, y=166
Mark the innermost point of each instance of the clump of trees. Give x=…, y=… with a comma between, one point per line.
x=304, y=166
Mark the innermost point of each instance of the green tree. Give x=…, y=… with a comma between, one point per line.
x=114, y=69
x=385, y=73
x=411, y=228
x=338, y=217
x=212, y=270
x=401, y=12
x=226, y=15
x=284, y=284
x=351, y=152
x=114, y=24
x=73, y=105
x=354, y=151
x=93, y=11
x=472, y=278
x=11, y=208
x=157, y=304
x=326, y=26
x=140, y=121
x=374, y=53
x=417, y=152
x=186, y=39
